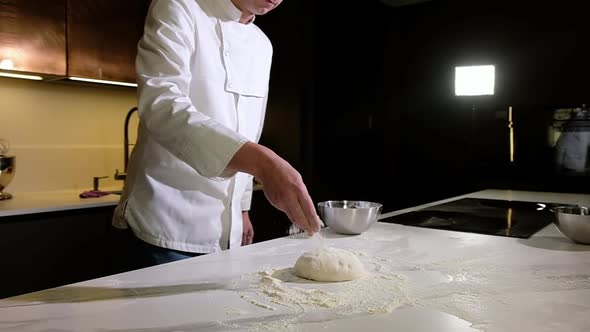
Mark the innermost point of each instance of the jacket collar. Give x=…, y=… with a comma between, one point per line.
x=230, y=11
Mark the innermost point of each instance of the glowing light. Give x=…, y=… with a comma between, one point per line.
x=27, y=77
x=474, y=80
x=6, y=64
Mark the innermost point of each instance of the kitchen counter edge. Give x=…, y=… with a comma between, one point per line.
x=39, y=202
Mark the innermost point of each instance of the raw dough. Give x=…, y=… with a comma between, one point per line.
x=329, y=264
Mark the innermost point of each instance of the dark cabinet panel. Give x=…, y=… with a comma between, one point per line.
x=103, y=36
x=45, y=250
x=33, y=36
x=268, y=222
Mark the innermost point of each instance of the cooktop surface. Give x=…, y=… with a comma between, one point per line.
x=485, y=216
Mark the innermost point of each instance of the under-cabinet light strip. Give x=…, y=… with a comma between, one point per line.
x=81, y=79
x=26, y=77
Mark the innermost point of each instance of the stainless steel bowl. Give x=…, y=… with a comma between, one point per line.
x=573, y=221
x=349, y=217
x=7, y=169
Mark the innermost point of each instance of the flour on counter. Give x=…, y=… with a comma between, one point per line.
x=275, y=325
x=256, y=303
x=235, y=312
x=293, y=297
x=300, y=300
x=449, y=285
x=370, y=294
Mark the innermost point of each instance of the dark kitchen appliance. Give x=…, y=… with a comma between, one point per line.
x=485, y=216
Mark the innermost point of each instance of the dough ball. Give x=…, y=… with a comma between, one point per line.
x=329, y=264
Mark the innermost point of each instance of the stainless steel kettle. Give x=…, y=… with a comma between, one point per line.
x=7, y=170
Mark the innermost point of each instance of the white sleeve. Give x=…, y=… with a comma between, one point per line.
x=165, y=108
x=246, y=202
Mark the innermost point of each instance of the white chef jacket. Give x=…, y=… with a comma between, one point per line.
x=203, y=85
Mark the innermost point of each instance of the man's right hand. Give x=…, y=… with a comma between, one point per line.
x=283, y=185
x=285, y=190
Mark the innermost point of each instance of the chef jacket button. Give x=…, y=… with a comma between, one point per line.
x=226, y=53
x=229, y=85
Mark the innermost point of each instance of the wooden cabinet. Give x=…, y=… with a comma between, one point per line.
x=94, y=39
x=103, y=36
x=33, y=36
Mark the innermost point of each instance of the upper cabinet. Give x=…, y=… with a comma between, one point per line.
x=33, y=36
x=88, y=39
x=103, y=37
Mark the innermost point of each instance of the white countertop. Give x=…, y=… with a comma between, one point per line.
x=420, y=280
x=49, y=201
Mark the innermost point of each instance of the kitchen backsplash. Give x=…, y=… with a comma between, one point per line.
x=63, y=135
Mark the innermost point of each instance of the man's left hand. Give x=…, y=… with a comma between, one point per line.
x=247, y=229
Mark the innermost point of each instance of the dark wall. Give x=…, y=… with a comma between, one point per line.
x=291, y=81
x=290, y=106
x=453, y=145
x=326, y=103
x=362, y=98
x=350, y=101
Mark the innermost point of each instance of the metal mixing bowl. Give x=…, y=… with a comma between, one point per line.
x=7, y=169
x=349, y=217
x=573, y=221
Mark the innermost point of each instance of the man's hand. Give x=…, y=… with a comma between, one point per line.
x=247, y=229
x=285, y=190
x=282, y=184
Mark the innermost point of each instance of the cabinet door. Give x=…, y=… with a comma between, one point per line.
x=33, y=36
x=51, y=249
x=103, y=36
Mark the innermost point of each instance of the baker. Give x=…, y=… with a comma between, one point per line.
x=203, y=71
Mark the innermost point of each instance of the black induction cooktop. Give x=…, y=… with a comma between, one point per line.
x=485, y=216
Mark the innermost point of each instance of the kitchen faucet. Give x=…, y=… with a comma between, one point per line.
x=123, y=175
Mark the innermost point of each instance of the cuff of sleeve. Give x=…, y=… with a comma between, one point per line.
x=247, y=196
x=246, y=202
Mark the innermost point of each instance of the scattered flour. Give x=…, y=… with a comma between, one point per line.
x=470, y=286
x=293, y=300
x=293, y=297
x=275, y=325
x=256, y=303
x=374, y=293
x=235, y=312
